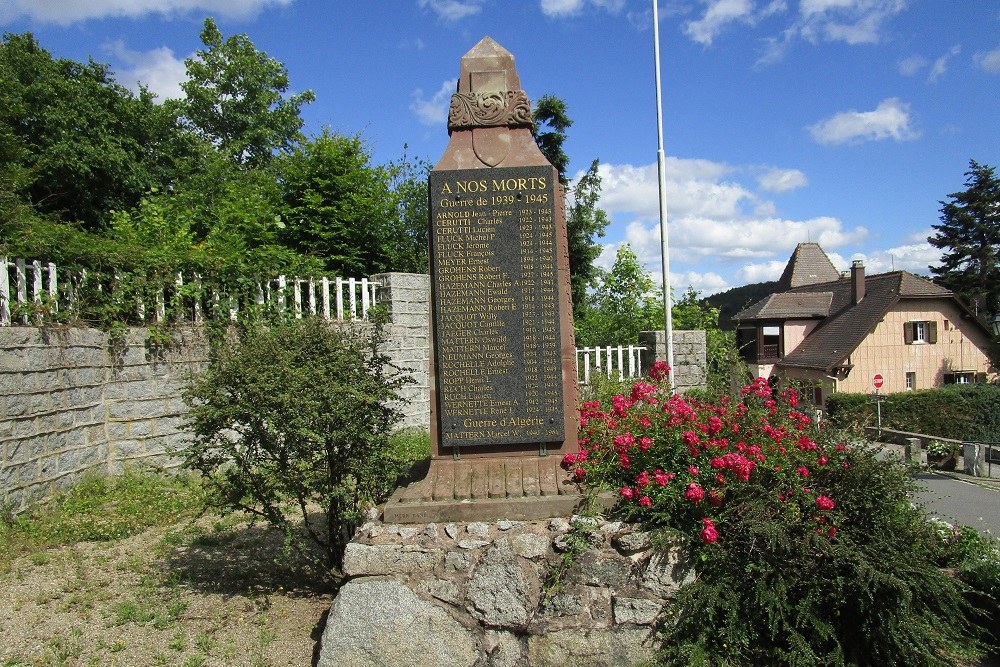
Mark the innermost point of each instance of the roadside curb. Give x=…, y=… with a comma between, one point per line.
x=985, y=482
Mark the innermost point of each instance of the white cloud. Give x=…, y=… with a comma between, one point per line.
x=782, y=180
x=433, y=111
x=698, y=239
x=556, y=8
x=890, y=120
x=940, y=66
x=850, y=21
x=157, y=69
x=761, y=272
x=911, y=65
x=912, y=257
x=452, y=10
x=717, y=217
x=706, y=284
x=717, y=16
x=561, y=8
x=989, y=61
x=693, y=188
x=65, y=12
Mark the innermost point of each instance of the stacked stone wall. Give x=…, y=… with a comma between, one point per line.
x=75, y=400
x=407, y=295
x=690, y=349
x=499, y=594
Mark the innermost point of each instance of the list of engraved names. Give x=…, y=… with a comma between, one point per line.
x=499, y=375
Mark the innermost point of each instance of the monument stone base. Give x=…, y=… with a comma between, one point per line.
x=484, y=489
x=501, y=594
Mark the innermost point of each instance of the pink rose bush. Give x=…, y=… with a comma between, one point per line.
x=785, y=527
x=684, y=463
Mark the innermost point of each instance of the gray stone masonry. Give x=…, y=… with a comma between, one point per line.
x=407, y=295
x=689, y=356
x=73, y=400
x=498, y=594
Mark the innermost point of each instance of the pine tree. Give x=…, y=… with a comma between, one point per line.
x=969, y=234
x=585, y=222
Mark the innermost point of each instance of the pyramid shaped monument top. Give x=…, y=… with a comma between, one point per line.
x=488, y=68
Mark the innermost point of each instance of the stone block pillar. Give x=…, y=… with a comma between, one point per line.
x=690, y=365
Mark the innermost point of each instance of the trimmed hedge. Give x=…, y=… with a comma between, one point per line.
x=960, y=412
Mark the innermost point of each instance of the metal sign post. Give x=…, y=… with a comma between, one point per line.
x=877, y=381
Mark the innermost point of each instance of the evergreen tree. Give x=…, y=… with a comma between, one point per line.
x=550, y=111
x=584, y=220
x=969, y=234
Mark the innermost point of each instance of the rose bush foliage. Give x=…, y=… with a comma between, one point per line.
x=807, y=551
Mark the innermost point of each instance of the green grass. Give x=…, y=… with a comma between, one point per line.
x=410, y=444
x=101, y=509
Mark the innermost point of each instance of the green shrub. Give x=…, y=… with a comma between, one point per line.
x=294, y=419
x=807, y=552
x=959, y=412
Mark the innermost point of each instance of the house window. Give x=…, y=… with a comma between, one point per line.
x=920, y=333
x=770, y=342
x=911, y=381
x=967, y=377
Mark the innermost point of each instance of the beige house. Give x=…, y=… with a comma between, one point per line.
x=831, y=333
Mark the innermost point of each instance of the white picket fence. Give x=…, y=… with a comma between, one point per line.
x=34, y=292
x=621, y=361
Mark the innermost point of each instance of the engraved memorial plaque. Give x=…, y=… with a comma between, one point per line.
x=496, y=317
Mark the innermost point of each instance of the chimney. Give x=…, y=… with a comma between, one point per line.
x=858, y=280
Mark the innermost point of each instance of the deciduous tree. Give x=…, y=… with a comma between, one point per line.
x=90, y=145
x=236, y=98
x=337, y=206
x=296, y=416
x=625, y=303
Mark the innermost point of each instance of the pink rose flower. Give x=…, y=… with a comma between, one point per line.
x=694, y=493
x=709, y=534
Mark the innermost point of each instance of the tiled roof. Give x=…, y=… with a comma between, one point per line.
x=848, y=324
x=784, y=305
x=836, y=337
x=808, y=265
x=843, y=324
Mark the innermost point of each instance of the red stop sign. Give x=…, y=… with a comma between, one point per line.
x=878, y=380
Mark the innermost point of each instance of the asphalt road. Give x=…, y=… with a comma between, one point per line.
x=960, y=501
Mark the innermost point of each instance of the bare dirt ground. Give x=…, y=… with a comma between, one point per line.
x=210, y=592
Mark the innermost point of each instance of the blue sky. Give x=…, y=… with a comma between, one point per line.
x=843, y=122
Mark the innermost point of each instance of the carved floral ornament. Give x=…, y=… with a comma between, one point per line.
x=509, y=108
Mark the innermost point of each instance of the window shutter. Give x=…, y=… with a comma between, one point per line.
x=981, y=378
x=932, y=332
x=949, y=378
x=908, y=333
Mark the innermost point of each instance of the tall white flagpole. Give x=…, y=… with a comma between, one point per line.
x=661, y=169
